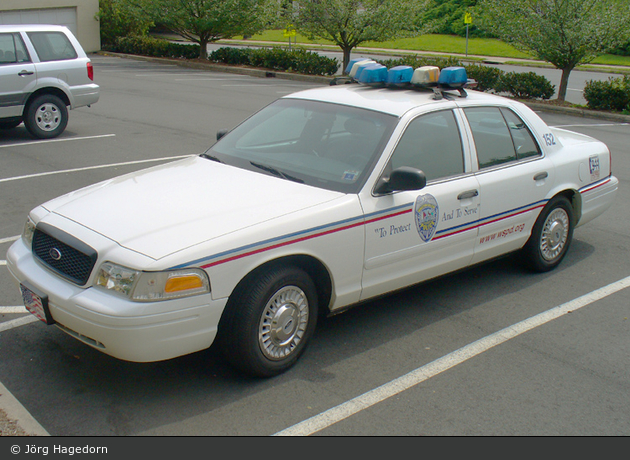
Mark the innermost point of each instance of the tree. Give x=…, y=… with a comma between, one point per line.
x=565, y=33
x=119, y=18
x=348, y=23
x=448, y=18
x=206, y=21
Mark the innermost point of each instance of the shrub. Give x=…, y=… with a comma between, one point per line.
x=526, y=85
x=156, y=47
x=298, y=60
x=613, y=94
x=420, y=61
x=487, y=77
x=229, y=55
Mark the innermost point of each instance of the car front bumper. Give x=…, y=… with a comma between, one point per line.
x=132, y=331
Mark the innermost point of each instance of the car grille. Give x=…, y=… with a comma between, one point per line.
x=64, y=254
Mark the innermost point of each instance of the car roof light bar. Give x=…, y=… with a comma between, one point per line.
x=369, y=72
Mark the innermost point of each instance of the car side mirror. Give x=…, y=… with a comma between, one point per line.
x=404, y=178
x=221, y=133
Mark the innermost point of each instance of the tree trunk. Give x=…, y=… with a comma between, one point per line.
x=346, y=58
x=564, y=83
x=203, y=49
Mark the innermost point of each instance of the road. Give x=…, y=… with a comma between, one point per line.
x=490, y=351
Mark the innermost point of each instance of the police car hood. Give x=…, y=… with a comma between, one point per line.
x=162, y=210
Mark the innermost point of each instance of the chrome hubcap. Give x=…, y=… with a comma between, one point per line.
x=554, y=234
x=283, y=323
x=48, y=117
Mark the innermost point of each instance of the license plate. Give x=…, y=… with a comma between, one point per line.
x=36, y=303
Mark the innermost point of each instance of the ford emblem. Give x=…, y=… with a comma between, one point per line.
x=55, y=254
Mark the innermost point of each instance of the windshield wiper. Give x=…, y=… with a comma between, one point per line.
x=276, y=173
x=210, y=157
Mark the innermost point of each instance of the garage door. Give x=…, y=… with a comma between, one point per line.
x=58, y=16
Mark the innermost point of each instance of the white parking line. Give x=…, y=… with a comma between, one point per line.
x=421, y=374
x=9, y=239
x=12, y=310
x=58, y=140
x=594, y=125
x=87, y=168
x=24, y=320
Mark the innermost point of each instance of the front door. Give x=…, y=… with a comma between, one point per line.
x=412, y=236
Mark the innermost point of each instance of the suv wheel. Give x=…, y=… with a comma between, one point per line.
x=46, y=117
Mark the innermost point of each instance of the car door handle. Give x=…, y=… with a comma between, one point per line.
x=468, y=194
x=24, y=73
x=541, y=176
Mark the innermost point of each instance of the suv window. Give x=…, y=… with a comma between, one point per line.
x=52, y=46
x=12, y=49
x=432, y=144
x=500, y=136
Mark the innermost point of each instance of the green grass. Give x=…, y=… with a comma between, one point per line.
x=439, y=44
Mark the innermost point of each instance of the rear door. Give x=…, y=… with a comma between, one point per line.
x=17, y=74
x=514, y=177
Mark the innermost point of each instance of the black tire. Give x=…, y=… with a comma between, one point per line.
x=551, y=235
x=9, y=124
x=268, y=321
x=46, y=117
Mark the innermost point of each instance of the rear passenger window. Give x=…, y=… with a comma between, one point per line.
x=500, y=136
x=524, y=142
x=52, y=46
x=432, y=144
x=12, y=49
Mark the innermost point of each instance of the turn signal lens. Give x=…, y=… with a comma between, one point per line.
x=183, y=283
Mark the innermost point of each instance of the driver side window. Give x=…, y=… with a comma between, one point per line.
x=432, y=144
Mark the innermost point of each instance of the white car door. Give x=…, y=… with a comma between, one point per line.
x=17, y=74
x=514, y=178
x=415, y=235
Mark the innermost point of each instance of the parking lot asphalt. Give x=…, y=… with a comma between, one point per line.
x=13, y=415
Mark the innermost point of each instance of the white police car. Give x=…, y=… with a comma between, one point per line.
x=321, y=200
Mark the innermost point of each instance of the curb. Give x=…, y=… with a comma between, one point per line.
x=262, y=73
x=15, y=411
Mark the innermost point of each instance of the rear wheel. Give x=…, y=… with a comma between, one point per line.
x=269, y=321
x=46, y=117
x=551, y=235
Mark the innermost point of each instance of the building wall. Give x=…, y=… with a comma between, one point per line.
x=77, y=15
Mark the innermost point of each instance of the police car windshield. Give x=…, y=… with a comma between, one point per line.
x=321, y=144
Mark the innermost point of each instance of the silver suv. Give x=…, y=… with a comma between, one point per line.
x=44, y=72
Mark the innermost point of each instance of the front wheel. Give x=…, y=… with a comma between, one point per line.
x=268, y=321
x=551, y=235
x=46, y=117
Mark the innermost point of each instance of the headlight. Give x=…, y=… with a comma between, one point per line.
x=152, y=286
x=27, y=233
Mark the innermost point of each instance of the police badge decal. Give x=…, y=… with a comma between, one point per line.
x=427, y=215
